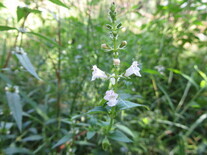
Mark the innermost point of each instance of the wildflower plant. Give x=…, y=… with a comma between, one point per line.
x=112, y=103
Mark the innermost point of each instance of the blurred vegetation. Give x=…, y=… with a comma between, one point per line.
x=62, y=40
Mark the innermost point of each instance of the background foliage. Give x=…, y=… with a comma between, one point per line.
x=62, y=41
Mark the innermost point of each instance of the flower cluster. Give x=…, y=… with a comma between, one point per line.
x=97, y=73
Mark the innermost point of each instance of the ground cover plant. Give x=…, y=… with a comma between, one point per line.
x=103, y=77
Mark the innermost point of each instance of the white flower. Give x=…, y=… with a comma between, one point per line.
x=116, y=62
x=111, y=97
x=133, y=69
x=97, y=73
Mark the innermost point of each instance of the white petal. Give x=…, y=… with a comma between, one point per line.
x=97, y=73
x=112, y=103
x=112, y=80
x=129, y=72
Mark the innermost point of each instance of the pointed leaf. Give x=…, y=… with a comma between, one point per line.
x=32, y=138
x=15, y=150
x=63, y=140
x=59, y=3
x=98, y=110
x=22, y=12
x=6, y=28
x=45, y=38
x=125, y=129
x=123, y=104
x=90, y=134
x=2, y=5
x=119, y=136
x=15, y=106
x=185, y=76
x=24, y=60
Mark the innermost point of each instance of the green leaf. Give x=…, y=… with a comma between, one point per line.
x=5, y=78
x=90, y=134
x=150, y=71
x=84, y=143
x=2, y=5
x=125, y=129
x=34, y=106
x=32, y=138
x=6, y=28
x=59, y=3
x=23, y=12
x=63, y=140
x=167, y=97
x=45, y=38
x=15, y=106
x=98, y=110
x=15, y=150
x=25, y=61
x=123, y=104
x=197, y=123
x=119, y=136
x=185, y=76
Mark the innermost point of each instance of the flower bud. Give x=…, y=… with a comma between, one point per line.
x=123, y=44
x=119, y=26
x=108, y=26
x=116, y=62
x=105, y=46
x=106, y=144
x=113, y=7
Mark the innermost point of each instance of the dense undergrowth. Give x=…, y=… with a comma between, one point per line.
x=63, y=42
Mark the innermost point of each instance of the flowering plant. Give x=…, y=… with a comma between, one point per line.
x=112, y=102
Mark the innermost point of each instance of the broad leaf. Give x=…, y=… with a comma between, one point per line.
x=6, y=28
x=59, y=3
x=119, y=136
x=63, y=140
x=15, y=106
x=25, y=61
x=123, y=104
x=98, y=110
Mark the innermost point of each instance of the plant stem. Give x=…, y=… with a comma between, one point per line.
x=15, y=44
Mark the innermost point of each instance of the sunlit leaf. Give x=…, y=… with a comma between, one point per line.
x=22, y=12
x=2, y=5
x=6, y=28
x=59, y=3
